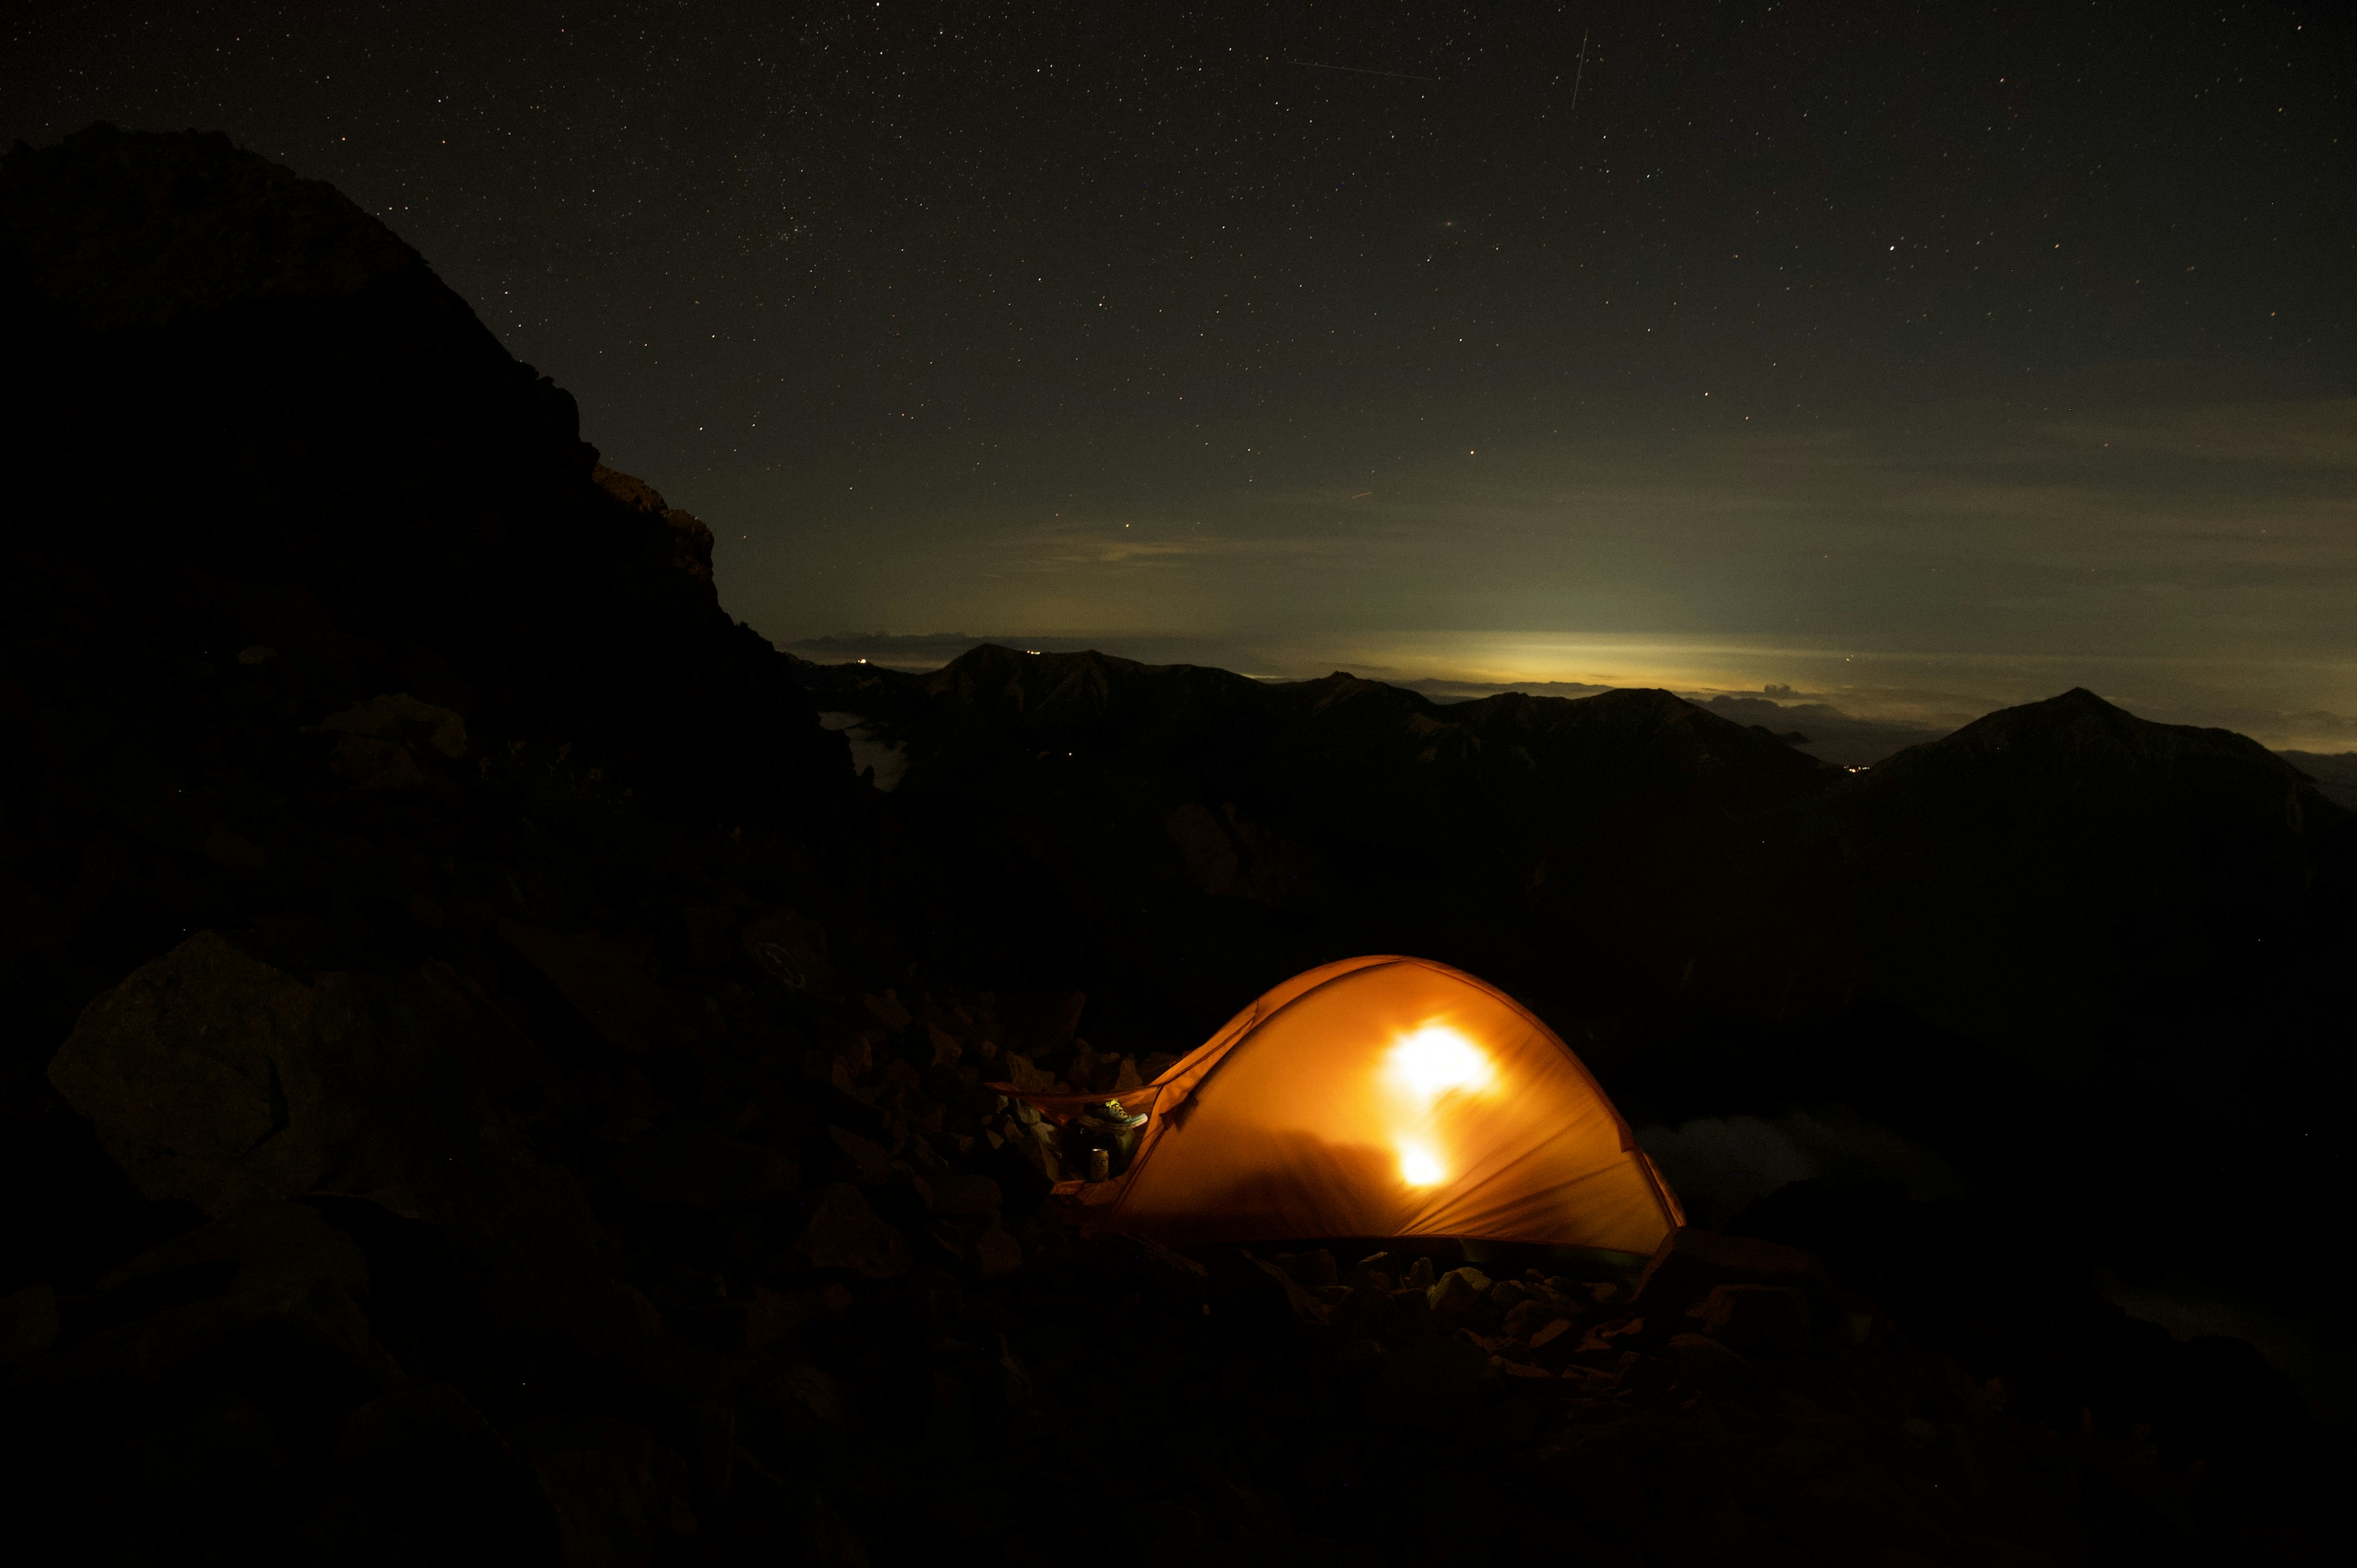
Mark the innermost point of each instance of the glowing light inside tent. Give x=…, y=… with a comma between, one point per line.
x=1436, y=1060
x=1424, y=1068
x=1419, y=1167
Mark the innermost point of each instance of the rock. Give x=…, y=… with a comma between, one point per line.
x=845, y=1233
x=1365, y=1314
x=788, y=946
x=425, y=1469
x=1314, y=1270
x=707, y=933
x=966, y=1195
x=690, y=1165
x=1709, y=1361
x=28, y=1324
x=194, y=1465
x=216, y=1079
x=607, y=982
x=1553, y=1344
x=825, y=1540
x=887, y=1011
x=414, y=1415
x=273, y=1265
x=1456, y=1294
x=598, y=1475
x=713, y=1458
x=382, y=738
x=1304, y=1306
x=1690, y=1262
x=947, y=1050
x=1427, y=1382
x=1411, y=1313
x=402, y=718
x=235, y=853
x=997, y=1252
x=770, y=1316
x=200, y=1074
x=1526, y=1317
x=1755, y=1318
x=1606, y=1341
x=248, y=377
x=691, y=552
x=1043, y=1018
x=873, y=1163
x=1026, y=1077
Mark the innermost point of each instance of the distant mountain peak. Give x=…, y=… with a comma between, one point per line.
x=2078, y=743
x=2081, y=720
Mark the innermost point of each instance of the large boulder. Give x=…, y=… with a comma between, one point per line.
x=200, y=1073
x=221, y=1080
x=276, y=1268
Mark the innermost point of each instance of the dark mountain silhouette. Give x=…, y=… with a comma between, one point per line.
x=2335, y=772
x=2033, y=869
x=239, y=410
x=1247, y=828
x=482, y=1078
x=2032, y=880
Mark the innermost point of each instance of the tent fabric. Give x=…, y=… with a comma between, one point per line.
x=1381, y=1096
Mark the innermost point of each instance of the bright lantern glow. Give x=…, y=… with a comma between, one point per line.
x=1435, y=1060
x=1419, y=1167
x=1424, y=1066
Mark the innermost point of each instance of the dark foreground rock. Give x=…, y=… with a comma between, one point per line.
x=480, y=1084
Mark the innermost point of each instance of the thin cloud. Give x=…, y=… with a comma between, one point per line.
x=2318, y=433
x=1132, y=546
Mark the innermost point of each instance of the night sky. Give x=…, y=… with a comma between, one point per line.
x=1921, y=358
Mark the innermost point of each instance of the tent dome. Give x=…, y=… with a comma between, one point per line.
x=1383, y=1096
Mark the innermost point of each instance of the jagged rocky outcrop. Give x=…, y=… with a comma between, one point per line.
x=242, y=414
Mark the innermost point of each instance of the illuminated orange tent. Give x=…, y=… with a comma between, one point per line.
x=1381, y=1097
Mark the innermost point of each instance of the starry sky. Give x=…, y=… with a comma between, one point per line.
x=1917, y=359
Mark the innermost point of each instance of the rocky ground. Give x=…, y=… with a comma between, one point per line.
x=749, y=1266
x=481, y=1080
